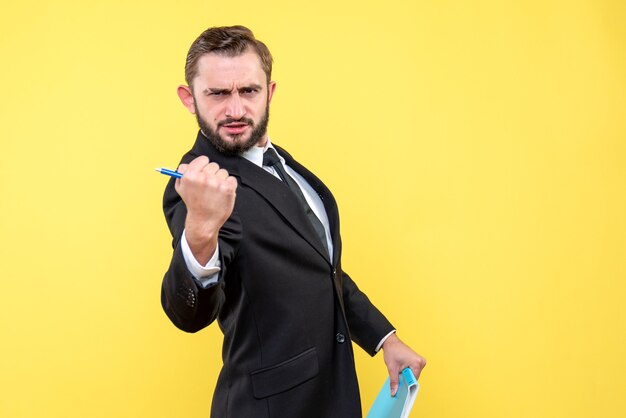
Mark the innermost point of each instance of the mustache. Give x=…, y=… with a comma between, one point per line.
x=231, y=120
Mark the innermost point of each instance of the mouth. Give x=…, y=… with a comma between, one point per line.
x=235, y=128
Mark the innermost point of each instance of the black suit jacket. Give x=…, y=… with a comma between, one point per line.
x=287, y=312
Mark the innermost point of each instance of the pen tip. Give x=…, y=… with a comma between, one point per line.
x=157, y=169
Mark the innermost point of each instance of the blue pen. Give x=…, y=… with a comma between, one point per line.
x=170, y=173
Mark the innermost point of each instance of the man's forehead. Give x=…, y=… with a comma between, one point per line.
x=223, y=69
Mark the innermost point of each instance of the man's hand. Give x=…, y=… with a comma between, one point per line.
x=398, y=356
x=209, y=195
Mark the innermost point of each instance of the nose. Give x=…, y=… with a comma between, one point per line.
x=235, y=108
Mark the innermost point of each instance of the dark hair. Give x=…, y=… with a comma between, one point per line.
x=230, y=41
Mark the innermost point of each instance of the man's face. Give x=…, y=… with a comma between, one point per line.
x=231, y=99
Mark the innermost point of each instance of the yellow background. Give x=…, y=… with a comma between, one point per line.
x=477, y=150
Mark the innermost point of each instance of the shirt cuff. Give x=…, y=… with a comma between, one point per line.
x=205, y=275
x=380, y=344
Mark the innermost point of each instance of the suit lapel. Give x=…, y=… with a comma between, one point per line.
x=282, y=199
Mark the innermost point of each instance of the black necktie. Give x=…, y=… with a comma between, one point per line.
x=271, y=159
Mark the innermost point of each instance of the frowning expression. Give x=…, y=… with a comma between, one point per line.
x=230, y=99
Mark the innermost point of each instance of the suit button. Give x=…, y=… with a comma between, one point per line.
x=340, y=338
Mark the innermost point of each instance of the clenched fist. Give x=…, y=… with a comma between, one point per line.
x=209, y=195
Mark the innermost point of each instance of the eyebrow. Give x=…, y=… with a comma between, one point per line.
x=251, y=86
x=221, y=91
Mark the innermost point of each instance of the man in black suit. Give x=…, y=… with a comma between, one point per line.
x=257, y=247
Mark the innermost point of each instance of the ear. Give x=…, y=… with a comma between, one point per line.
x=271, y=87
x=186, y=97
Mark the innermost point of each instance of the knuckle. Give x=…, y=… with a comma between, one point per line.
x=225, y=187
x=199, y=161
x=231, y=182
x=212, y=183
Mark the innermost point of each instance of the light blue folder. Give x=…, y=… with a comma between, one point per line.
x=400, y=405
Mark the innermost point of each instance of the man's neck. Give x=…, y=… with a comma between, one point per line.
x=262, y=142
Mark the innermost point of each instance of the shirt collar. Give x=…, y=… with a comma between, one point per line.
x=255, y=154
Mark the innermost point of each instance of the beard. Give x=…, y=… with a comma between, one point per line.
x=236, y=145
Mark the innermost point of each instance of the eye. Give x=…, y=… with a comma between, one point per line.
x=217, y=93
x=248, y=91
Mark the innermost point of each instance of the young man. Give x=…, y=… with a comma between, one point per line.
x=257, y=247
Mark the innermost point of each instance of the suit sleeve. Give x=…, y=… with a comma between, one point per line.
x=189, y=306
x=367, y=324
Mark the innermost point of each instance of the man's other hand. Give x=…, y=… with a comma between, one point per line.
x=398, y=356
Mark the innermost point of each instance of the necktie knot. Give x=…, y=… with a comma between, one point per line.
x=270, y=158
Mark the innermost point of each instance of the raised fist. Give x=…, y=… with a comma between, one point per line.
x=209, y=195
